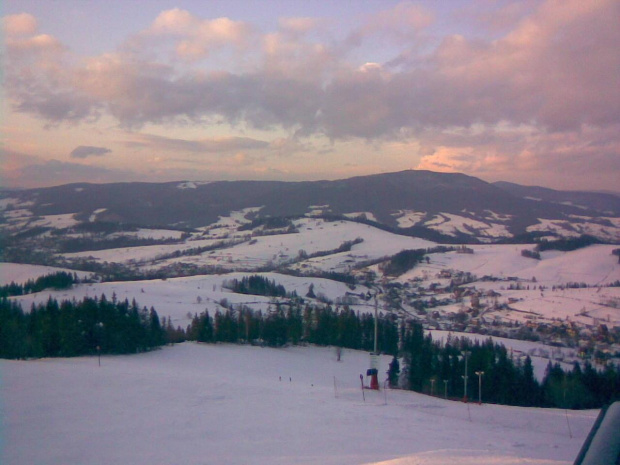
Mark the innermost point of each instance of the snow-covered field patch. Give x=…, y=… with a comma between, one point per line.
x=94, y=214
x=409, y=218
x=181, y=298
x=452, y=225
x=368, y=215
x=20, y=273
x=62, y=221
x=605, y=228
x=594, y=265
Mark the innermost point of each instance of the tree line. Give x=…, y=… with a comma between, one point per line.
x=71, y=328
x=439, y=368
x=292, y=323
x=58, y=280
x=256, y=285
x=402, y=262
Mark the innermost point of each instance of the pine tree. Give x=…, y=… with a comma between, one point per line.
x=394, y=372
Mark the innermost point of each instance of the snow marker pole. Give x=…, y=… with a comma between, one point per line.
x=362, y=381
x=385, y=385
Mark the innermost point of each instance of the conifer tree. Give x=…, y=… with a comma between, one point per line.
x=394, y=372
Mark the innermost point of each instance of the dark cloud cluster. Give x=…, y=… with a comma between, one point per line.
x=84, y=151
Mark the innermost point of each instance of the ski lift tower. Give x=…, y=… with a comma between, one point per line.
x=373, y=372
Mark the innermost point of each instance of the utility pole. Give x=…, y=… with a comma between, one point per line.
x=374, y=372
x=466, y=354
x=376, y=322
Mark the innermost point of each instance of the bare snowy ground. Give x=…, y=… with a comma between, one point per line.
x=20, y=273
x=181, y=298
x=227, y=404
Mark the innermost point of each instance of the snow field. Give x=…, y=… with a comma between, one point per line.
x=451, y=225
x=229, y=404
x=20, y=273
x=181, y=298
x=315, y=235
x=594, y=265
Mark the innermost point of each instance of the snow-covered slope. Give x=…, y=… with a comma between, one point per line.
x=20, y=273
x=594, y=265
x=222, y=404
x=181, y=298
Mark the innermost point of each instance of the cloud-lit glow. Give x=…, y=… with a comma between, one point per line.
x=530, y=96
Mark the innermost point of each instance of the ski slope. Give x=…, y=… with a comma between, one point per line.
x=232, y=404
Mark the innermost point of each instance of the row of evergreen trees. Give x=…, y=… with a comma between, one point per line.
x=71, y=328
x=433, y=366
x=292, y=324
x=58, y=280
x=402, y=262
x=256, y=285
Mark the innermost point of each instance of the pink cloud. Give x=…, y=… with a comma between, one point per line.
x=195, y=38
x=19, y=24
x=557, y=67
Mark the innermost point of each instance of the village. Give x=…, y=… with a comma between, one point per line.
x=458, y=301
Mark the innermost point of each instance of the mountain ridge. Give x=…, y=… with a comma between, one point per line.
x=454, y=205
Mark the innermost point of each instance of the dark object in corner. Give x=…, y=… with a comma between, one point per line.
x=602, y=446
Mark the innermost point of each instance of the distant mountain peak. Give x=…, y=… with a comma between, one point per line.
x=439, y=206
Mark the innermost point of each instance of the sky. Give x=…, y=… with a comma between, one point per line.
x=106, y=91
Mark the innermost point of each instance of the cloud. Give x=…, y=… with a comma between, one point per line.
x=552, y=67
x=84, y=151
x=34, y=49
x=465, y=160
x=195, y=38
x=284, y=146
x=565, y=160
x=558, y=67
x=19, y=24
x=555, y=67
x=213, y=145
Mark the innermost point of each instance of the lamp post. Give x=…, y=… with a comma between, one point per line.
x=480, y=373
x=466, y=354
x=445, y=388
